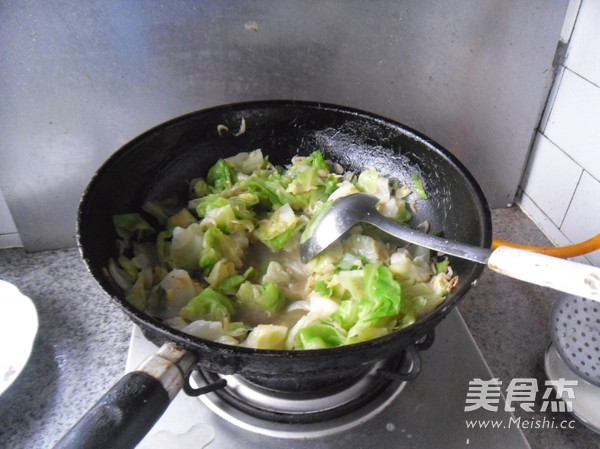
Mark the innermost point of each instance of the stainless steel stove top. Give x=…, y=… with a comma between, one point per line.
x=424, y=413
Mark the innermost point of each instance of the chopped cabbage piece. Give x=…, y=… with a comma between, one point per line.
x=371, y=181
x=179, y=289
x=366, y=247
x=278, y=228
x=383, y=294
x=162, y=210
x=320, y=308
x=364, y=331
x=222, y=270
x=347, y=314
x=217, y=245
x=186, y=247
x=320, y=335
x=247, y=163
x=405, y=266
x=345, y=188
x=208, y=305
x=277, y=274
x=132, y=225
x=268, y=296
x=137, y=294
x=419, y=188
x=266, y=336
x=211, y=330
x=220, y=176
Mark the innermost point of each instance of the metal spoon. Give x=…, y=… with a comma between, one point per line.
x=563, y=275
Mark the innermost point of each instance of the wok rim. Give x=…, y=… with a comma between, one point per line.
x=195, y=344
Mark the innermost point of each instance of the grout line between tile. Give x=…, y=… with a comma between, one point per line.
x=582, y=77
x=570, y=201
x=566, y=154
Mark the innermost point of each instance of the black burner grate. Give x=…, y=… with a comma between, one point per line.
x=314, y=399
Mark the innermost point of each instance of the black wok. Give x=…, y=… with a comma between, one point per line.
x=159, y=163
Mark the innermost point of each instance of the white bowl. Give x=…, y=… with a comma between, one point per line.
x=18, y=328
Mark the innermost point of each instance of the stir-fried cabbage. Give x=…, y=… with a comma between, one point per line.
x=226, y=266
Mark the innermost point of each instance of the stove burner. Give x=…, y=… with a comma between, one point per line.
x=327, y=410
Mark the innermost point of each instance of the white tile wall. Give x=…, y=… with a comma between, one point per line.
x=583, y=218
x=584, y=49
x=574, y=121
x=551, y=178
x=561, y=186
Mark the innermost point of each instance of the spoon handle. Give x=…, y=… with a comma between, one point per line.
x=567, y=276
x=563, y=275
x=442, y=245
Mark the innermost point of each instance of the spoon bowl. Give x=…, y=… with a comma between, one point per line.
x=336, y=218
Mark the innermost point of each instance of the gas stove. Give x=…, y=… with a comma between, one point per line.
x=426, y=412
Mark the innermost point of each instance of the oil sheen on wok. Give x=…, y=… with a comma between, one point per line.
x=226, y=265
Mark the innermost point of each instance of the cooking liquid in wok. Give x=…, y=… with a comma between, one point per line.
x=297, y=289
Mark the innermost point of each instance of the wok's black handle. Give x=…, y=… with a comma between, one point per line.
x=122, y=417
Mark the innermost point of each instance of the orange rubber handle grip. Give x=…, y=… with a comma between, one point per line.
x=575, y=250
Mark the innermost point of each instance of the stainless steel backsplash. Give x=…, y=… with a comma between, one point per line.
x=79, y=79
